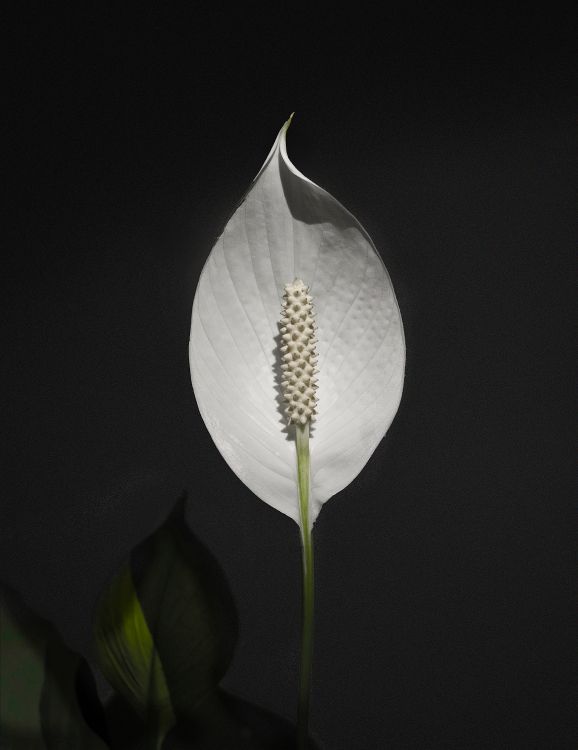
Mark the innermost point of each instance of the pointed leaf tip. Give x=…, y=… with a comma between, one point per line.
x=172, y=586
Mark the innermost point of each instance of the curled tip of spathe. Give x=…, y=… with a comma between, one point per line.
x=287, y=123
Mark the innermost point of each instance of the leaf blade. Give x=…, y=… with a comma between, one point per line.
x=190, y=612
x=163, y=629
x=128, y=656
x=39, y=706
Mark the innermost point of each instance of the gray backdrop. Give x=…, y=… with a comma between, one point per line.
x=446, y=570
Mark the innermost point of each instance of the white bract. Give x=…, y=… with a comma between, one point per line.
x=287, y=228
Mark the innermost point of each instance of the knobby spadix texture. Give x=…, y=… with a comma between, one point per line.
x=288, y=228
x=298, y=354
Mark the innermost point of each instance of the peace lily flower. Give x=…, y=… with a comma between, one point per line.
x=295, y=319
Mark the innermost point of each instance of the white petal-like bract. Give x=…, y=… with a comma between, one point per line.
x=286, y=228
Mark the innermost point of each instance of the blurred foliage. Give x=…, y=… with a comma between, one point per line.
x=46, y=690
x=165, y=631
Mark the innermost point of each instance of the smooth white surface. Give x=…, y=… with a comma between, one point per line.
x=288, y=227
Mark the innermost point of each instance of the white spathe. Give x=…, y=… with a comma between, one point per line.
x=287, y=227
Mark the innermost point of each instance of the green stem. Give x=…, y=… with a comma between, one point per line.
x=303, y=463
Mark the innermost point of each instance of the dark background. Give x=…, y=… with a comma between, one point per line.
x=446, y=571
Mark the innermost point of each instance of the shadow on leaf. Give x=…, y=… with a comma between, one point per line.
x=165, y=632
x=47, y=692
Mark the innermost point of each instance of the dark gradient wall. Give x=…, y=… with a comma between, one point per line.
x=446, y=571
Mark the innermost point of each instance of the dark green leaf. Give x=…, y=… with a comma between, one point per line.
x=128, y=657
x=165, y=631
x=39, y=707
x=190, y=612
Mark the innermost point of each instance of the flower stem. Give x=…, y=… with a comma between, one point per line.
x=302, y=444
